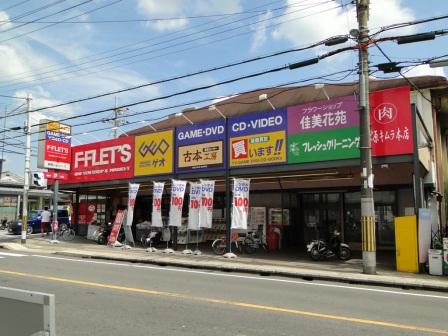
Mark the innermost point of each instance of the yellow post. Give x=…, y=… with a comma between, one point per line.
x=406, y=244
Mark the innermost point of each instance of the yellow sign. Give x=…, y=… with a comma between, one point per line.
x=154, y=153
x=200, y=155
x=56, y=126
x=258, y=149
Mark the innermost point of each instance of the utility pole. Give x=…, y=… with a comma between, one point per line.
x=367, y=202
x=117, y=119
x=26, y=184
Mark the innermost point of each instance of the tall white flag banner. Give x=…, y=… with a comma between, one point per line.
x=193, y=212
x=132, y=195
x=157, y=192
x=133, y=190
x=240, y=203
x=206, y=205
x=177, y=201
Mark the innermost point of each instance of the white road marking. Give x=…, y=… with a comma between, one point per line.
x=246, y=277
x=11, y=254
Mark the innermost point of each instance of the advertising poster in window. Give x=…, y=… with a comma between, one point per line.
x=324, y=130
x=258, y=139
x=104, y=160
x=391, y=122
x=156, y=215
x=200, y=146
x=206, y=205
x=154, y=153
x=240, y=203
x=193, y=211
x=177, y=201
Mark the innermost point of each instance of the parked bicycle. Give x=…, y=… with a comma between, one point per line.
x=252, y=242
x=66, y=232
x=219, y=245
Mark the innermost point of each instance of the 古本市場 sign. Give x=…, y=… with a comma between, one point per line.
x=54, y=146
x=154, y=153
x=200, y=146
x=324, y=130
x=258, y=139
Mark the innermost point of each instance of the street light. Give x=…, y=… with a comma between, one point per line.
x=322, y=87
x=264, y=97
x=181, y=114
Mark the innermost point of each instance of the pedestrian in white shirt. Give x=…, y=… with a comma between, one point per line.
x=45, y=218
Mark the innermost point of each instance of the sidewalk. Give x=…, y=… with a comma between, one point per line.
x=264, y=264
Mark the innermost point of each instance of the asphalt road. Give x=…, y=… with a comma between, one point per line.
x=111, y=298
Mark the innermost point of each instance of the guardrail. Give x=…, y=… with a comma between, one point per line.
x=25, y=312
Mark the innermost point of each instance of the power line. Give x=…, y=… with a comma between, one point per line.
x=180, y=105
x=13, y=6
x=170, y=46
x=34, y=11
x=178, y=77
x=140, y=42
x=43, y=17
x=55, y=23
x=143, y=20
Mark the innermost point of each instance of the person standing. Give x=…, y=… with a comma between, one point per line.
x=45, y=218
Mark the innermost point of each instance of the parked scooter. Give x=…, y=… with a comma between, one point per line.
x=104, y=233
x=319, y=249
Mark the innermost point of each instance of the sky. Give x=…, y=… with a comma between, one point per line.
x=59, y=51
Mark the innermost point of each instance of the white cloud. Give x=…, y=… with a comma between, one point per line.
x=12, y=62
x=182, y=9
x=425, y=70
x=4, y=17
x=260, y=31
x=323, y=21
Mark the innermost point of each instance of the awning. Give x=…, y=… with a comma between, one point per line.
x=31, y=192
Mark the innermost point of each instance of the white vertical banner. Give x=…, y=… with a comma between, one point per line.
x=132, y=195
x=177, y=201
x=193, y=212
x=156, y=215
x=240, y=203
x=206, y=205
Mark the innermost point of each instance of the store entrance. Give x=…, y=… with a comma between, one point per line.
x=322, y=214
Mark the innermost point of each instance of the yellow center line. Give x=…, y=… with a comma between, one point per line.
x=231, y=303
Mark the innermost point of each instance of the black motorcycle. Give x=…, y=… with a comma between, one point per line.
x=104, y=233
x=319, y=249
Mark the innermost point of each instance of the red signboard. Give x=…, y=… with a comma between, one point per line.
x=116, y=227
x=105, y=160
x=51, y=175
x=391, y=122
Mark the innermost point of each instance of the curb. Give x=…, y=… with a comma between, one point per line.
x=308, y=275
x=230, y=266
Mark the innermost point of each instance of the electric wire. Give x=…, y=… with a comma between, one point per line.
x=48, y=15
x=53, y=24
x=140, y=42
x=176, y=44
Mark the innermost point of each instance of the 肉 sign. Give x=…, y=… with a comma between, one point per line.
x=54, y=149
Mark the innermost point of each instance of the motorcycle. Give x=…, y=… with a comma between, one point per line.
x=104, y=232
x=319, y=249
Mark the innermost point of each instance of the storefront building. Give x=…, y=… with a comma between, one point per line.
x=300, y=151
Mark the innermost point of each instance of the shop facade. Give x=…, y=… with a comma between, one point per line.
x=302, y=158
